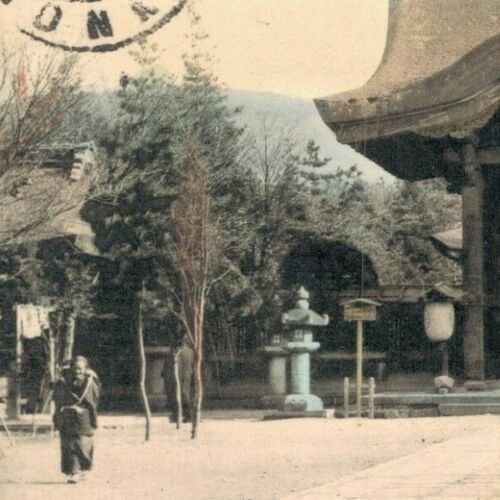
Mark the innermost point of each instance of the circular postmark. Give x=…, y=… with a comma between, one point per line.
x=92, y=25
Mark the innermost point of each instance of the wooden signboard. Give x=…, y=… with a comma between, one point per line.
x=360, y=312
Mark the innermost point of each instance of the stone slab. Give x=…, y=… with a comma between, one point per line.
x=429, y=399
x=464, y=467
x=475, y=385
x=455, y=410
x=278, y=415
x=25, y=427
x=407, y=412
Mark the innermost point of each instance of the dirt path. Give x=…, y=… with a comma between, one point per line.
x=239, y=459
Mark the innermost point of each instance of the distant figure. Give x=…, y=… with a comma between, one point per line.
x=185, y=356
x=76, y=397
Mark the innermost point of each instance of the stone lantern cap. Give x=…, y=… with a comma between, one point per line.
x=302, y=315
x=299, y=317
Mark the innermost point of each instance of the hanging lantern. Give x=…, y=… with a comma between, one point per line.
x=439, y=320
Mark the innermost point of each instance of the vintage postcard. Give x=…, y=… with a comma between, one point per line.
x=249, y=249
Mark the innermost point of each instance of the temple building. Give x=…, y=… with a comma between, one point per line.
x=432, y=110
x=41, y=202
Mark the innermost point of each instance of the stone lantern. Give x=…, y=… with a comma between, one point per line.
x=296, y=344
x=439, y=322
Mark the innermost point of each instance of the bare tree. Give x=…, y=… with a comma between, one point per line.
x=198, y=251
x=36, y=97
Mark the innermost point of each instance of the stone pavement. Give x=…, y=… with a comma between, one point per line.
x=465, y=467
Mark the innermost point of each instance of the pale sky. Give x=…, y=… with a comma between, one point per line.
x=302, y=48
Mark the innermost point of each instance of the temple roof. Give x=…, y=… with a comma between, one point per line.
x=43, y=202
x=439, y=77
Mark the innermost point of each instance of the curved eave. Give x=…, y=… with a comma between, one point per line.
x=453, y=238
x=455, y=101
x=449, y=243
x=462, y=92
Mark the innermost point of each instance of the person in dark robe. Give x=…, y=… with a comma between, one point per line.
x=185, y=360
x=76, y=397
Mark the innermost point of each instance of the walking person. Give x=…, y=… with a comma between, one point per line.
x=76, y=397
x=185, y=367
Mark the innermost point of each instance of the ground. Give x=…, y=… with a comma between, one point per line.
x=254, y=459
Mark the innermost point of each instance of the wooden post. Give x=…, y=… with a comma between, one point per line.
x=14, y=397
x=18, y=374
x=7, y=431
x=346, y=397
x=52, y=371
x=445, y=370
x=473, y=265
x=371, y=398
x=359, y=367
x=69, y=325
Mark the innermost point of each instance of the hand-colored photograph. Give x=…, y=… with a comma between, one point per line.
x=249, y=249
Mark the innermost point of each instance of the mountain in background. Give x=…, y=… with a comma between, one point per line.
x=304, y=118
x=297, y=113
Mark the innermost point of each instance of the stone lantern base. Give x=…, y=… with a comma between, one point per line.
x=289, y=403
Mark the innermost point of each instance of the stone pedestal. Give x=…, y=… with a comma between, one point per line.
x=475, y=385
x=299, y=373
x=277, y=379
x=300, y=376
x=277, y=375
x=301, y=403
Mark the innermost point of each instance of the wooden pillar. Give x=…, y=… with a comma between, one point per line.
x=473, y=266
x=492, y=265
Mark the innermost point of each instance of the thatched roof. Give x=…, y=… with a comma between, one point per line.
x=439, y=76
x=43, y=201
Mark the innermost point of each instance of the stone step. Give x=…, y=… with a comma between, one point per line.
x=457, y=409
x=432, y=399
x=278, y=415
x=25, y=427
x=352, y=413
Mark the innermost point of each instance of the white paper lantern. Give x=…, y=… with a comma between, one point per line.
x=439, y=320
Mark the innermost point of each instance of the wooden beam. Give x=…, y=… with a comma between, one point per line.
x=488, y=156
x=485, y=156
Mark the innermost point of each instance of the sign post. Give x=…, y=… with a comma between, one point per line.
x=360, y=310
x=359, y=366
